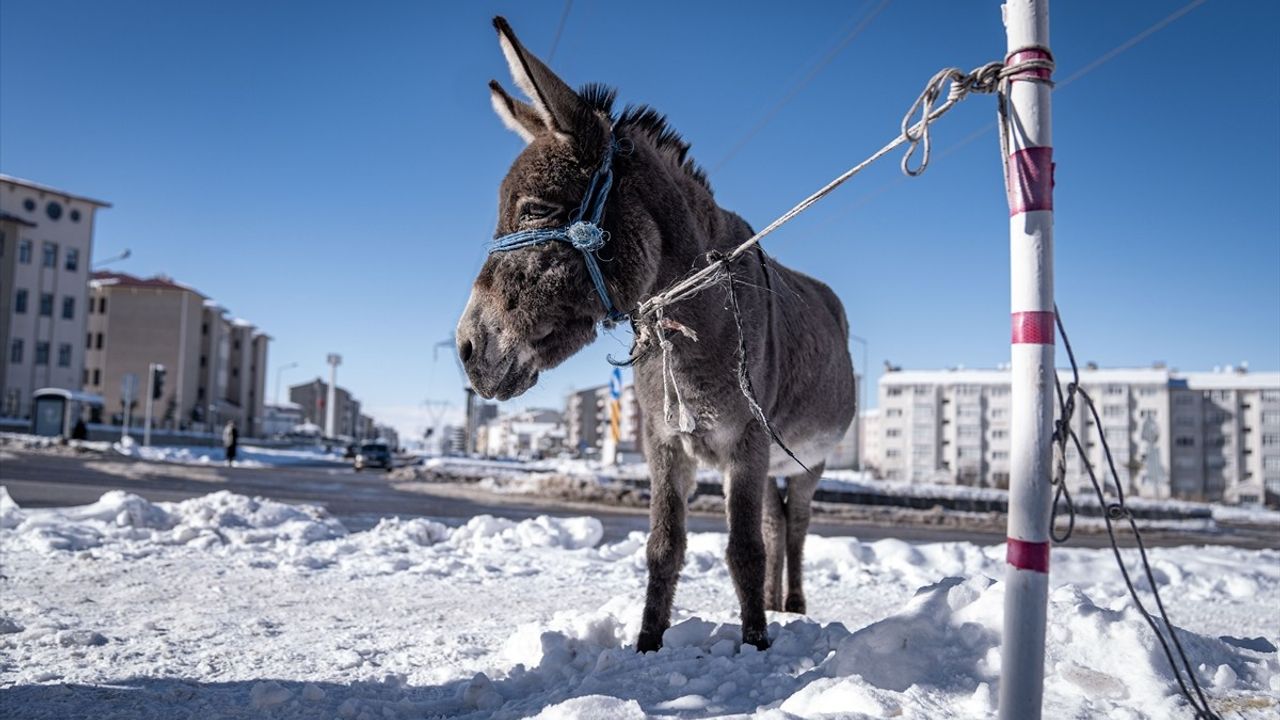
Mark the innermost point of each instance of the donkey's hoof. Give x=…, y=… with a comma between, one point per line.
x=649, y=642
x=795, y=604
x=758, y=638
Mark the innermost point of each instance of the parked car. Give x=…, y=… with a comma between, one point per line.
x=372, y=455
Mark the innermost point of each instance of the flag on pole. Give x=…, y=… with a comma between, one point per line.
x=615, y=405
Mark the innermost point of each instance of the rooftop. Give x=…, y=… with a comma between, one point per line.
x=1221, y=379
x=51, y=190
x=104, y=278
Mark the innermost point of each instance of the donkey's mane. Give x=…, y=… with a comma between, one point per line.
x=648, y=121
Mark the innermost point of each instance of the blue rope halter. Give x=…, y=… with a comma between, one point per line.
x=583, y=231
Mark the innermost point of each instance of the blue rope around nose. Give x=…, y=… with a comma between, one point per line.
x=583, y=231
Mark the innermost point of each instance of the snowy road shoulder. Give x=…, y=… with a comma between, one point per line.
x=228, y=606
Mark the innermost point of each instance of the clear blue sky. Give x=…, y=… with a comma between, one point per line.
x=330, y=170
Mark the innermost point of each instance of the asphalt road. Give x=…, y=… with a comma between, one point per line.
x=37, y=479
x=41, y=479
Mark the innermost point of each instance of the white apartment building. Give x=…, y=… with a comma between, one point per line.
x=1212, y=436
x=46, y=246
x=529, y=433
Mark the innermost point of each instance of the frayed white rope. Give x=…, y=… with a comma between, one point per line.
x=679, y=418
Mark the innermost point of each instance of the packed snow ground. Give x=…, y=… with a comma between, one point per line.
x=228, y=606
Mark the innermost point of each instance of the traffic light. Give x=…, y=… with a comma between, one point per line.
x=157, y=381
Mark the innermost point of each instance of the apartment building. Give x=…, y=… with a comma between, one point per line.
x=587, y=420
x=215, y=365
x=535, y=433
x=46, y=245
x=349, y=422
x=1203, y=436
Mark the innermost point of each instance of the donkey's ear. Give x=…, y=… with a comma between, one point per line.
x=520, y=118
x=560, y=107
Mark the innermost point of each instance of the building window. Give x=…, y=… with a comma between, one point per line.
x=102, y=305
x=29, y=205
x=967, y=431
x=1271, y=418
x=893, y=412
x=1184, y=399
x=84, y=376
x=15, y=351
x=1150, y=414
x=999, y=434
x=97, y=377
x=1269, y=439
x=1271, y=462
x=73, y=259
x=99, y=343
x=46, y=304
x=893, y=432
x=53, y=210
x=1147, y=391
x=24, y=252
x=88, y=340
x=892, y=452
x=1270, y=395
x=74, y=215
x=68, y=308
x=50, y=256
x=204, y=361
x=204, y=328
x=20, y=301
x=1000, y=455
x=998, y=412
x=1114, y=390
x=42, y=353
x=1114, y=411
x=64, y=355
x=1184, y=441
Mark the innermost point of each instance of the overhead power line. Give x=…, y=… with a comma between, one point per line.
x=555, y=42
x=795, y=89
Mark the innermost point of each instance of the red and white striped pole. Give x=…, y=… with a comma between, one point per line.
x=1030, y=189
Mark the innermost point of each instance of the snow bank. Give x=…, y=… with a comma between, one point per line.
x=232, y=606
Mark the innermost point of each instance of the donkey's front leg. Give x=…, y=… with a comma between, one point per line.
x=671, y=480
x=800, y=489
x=748, y=470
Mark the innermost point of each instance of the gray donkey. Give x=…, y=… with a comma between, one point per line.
x=633, y=214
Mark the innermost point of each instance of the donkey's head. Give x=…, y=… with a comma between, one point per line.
x=533, y=307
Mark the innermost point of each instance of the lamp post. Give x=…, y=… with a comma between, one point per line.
x=330, y=414
x=279, y=372
x=862, y=397
x=114, y=258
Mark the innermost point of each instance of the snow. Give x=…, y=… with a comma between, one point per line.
x=246, y=455
x=230, y=606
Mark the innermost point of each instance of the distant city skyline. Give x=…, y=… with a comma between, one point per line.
x=331, y=171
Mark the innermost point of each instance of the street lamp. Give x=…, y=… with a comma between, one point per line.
x=280, y=371
x=862, y=395
x=115, y=258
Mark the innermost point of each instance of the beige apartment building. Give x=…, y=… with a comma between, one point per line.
x=46, y=245
x=1212, y=436
x=586, y=420
x=215, y=365
x=311, y=397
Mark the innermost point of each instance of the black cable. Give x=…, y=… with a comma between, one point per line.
x=1119, y=510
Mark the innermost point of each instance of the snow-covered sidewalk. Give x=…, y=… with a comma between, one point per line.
x=228, y=606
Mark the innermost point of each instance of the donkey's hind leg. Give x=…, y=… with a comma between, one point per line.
x=775, y=544
x=800, y=489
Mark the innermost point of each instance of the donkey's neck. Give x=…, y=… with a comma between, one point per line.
x=689, y=222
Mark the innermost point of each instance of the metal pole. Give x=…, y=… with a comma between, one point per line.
x=330, y=428
x=146, y=423
x=860, y=403
x=279, y=375
x=1030, y=190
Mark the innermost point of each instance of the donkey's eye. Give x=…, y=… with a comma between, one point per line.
x=536, y=211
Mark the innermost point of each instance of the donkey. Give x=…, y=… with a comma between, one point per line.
x=537, y=302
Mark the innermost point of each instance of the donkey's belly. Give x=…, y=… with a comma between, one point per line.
x=811, y=452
